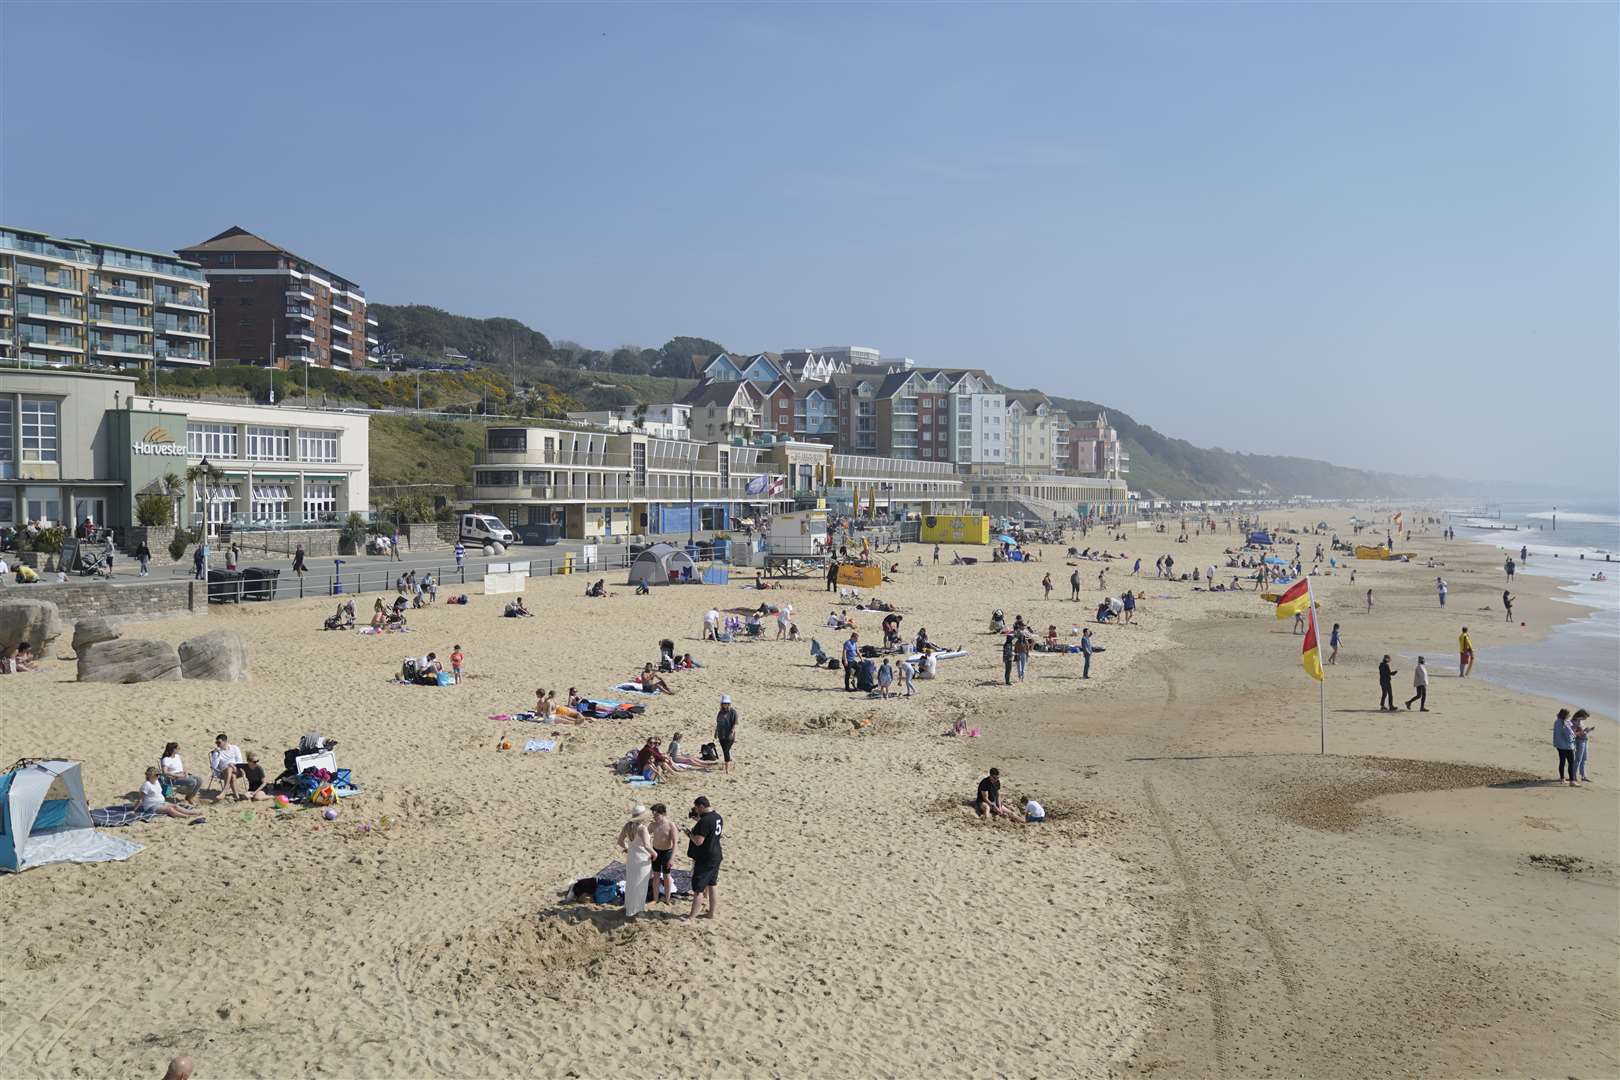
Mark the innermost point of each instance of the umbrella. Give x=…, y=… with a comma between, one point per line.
x=1005, y=539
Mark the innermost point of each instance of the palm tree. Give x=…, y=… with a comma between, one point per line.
x=205, y=472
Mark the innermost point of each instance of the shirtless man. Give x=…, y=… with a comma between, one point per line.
x=661, y=888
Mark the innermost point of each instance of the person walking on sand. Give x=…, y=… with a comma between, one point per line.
x=1086, y=649
x=635, y=841
x=1420, y=687
x=1465, y=654
x=1074, y=586
x=703, y=848
x=1046, y=586
x=1386, y=685
x=298, y=561
x=1582, y=728
x=1021, y=653
x=852, y=656
x=662, y=831
x=1564, y=742
x=1507, y=605
x=1299, y=622
x=832, y=575
x=1508, y=566
x=1369, y=602
x=1441, y=588
x=725, y=730
x=1008, y=651
x=1333, y=645
x=936, y=554
x=908, y=671
x=1137, y=569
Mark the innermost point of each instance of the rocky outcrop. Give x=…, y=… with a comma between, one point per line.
x=93, y=631
x=219, y=655
x=129, y=660
x=34, y=621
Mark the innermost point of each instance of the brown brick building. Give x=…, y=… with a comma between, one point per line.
x=273, y=307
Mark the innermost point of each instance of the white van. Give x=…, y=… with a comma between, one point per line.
x=481, y=529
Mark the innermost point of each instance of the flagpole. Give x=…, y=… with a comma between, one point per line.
x=1321, y=684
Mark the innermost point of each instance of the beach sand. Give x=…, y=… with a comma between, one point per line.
x=1210, y=897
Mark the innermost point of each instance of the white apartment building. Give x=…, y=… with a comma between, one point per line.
x=978, y=422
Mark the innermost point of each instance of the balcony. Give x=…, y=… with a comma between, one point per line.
x=340, y=307
x=339, y=347
x=121, y=293
x=183, y=301
x=341, y=326
x=116, y=320
x=300, y=334
x=124, y=348
x=39, y=339
x=196, y=328
x=370, y=321
x=9, y=242
x=29, y=307
x=57, y=283
x=372, y=342
x=297, y=290
x=148, y=264
x=172, y=354
x=300, y=311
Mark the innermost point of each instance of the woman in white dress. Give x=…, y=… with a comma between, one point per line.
x=636, y=843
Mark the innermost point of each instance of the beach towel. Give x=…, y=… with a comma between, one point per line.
x=634, y=688
x=539, y=746
x=613, y=873
x=943, y=654
x=640, y=781
x=115, y=817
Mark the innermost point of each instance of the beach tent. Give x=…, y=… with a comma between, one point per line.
x=1260, y=538
x=655, y=565
x=44, y=819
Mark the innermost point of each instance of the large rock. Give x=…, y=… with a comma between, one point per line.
x=218, y=654
x=93, y=631
x=129, y=660
x=34, y=621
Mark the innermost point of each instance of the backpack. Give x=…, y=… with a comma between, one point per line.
x=709, y=752
x=407, y=669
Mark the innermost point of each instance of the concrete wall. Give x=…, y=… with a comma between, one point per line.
x=132, y=601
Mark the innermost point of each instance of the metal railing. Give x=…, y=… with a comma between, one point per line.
x=347, y=582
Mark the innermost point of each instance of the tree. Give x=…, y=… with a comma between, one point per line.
x=627, y=360
x=675, y=358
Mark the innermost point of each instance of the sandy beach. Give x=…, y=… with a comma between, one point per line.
x=1211, y=896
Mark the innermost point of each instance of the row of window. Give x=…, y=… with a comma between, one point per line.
x=269, y=504
x=40, y=424
x=263, y=443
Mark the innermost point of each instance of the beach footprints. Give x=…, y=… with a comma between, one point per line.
x=37, y=1036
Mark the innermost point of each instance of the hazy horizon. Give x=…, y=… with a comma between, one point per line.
x=1382, y=236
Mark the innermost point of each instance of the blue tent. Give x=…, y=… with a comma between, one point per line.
x=1259, y=538
x=44, y=819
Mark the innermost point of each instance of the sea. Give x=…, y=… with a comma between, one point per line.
x=1578, y=663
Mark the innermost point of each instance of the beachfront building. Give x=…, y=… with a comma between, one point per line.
x=1032, y=434
x=1002, y=490
x=727, y=409
x=1094, y=449
x=672, y=421
x=75, y=303
x=279, y=309
x=77, y=444
x=585, y=483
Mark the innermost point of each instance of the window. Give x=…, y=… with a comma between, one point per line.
x=211, y=440
x=8, y=439
x=268, y=444
x=317, y=446
x=216, y=504
x=42, y=504
x=498, y=477
x=320, y=501
x=8, y=510
x=245, y=301
x=537, y=478
x=39, y=429
x=270, y=503
x=508, y=439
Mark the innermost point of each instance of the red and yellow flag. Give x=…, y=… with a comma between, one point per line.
x=1295, y=599
x=1311, y=655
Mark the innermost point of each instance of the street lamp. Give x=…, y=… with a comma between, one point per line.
x=202, y=469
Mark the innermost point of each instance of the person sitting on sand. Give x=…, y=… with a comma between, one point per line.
x=921, y=644
x=379, y=615
x=988, y=799
x=516, y=610
x=253, y=777
x=23, y=659
x=225, y=762
x=652, y=682
x=175, y=774
x=1052, y=638
x=151, y=800
x=1034, y=812
x=675, y=754
x=651, y=757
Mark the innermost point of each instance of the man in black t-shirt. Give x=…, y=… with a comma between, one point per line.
x=988, y=799
x=703, y=848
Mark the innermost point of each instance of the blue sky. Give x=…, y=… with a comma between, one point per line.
x=1384, y=235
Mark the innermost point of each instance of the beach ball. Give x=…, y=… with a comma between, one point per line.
x=282, y=800
x=330, y=813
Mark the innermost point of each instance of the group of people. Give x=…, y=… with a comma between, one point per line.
x=648, y=841
x=170, y=790
x=987, y=801
x=17, y=659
